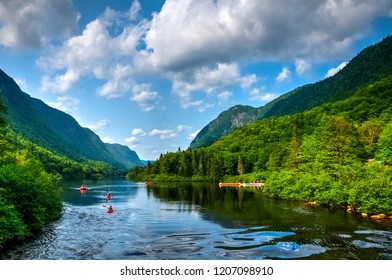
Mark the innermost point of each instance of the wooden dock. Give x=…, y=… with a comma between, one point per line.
x=240, y=185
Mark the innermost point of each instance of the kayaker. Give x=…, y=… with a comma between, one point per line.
x=110, y=209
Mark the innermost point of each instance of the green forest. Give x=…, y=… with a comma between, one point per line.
x=30, y=176
x=336, y=154
x=370, y=65
x=29, y=196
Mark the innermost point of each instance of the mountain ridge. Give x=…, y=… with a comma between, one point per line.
x=58, y=131
x=342, y=85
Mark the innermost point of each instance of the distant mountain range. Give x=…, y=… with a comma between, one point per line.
x=371, y=64
x=57, y=131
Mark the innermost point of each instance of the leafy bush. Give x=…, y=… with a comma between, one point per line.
x=12, y=226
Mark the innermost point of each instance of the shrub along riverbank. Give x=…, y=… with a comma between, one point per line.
x=30, y=197
x=30, y=192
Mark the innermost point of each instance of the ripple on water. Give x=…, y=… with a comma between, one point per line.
x=185, y=245
x=375, y=232
x=250, y=239
x=172, y=245
x=374, y=239
x=290, y=250
x=363, y=244
x=281, y=250
x=343, y=235
x=181, y=238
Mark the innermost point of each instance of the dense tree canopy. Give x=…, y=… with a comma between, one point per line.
x=30, y=194
x=369, y=66
x=3, y=111
x=319, y=155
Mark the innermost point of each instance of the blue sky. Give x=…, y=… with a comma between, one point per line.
x=151, y=73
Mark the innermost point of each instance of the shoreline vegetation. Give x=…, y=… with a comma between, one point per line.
x=374, y=213
x=337, y=154
x=30, y=197
x=30, y=184
x=371, y=210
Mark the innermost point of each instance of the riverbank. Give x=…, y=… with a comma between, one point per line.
x=30, y=199
x=361, y=188
x=200, y=221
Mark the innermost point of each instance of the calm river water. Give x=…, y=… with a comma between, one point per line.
x=200, y=221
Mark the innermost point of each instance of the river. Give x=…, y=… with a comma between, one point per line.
x=199, y=221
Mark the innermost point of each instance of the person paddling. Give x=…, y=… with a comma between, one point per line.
x=110, y=209
x=108, y=195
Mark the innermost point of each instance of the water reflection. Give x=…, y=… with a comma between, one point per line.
x=96, y=191
x=276, y=228
x=200, y=221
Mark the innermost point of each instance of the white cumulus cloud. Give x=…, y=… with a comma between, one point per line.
x=284, y=74
x=138, y=132
x=98, y=125
x=134, y=10
x=301, y=66
x=209, y=80
x=97, y=53
x=192, y=33
x=257, y=95
x=333, y=71
x=193, y=135
x=145, y=97
x=131, y=139
x=163, y=133
x=198, y=45
x=66, y=103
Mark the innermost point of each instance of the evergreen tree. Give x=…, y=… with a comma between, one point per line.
x=216, y=168
x=240, y=166
x=148, y=167
x=185, y=164
x=202, y=164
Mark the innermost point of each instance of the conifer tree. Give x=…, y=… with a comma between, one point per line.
x=240, y=166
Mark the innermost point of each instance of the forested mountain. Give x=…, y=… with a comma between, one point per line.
x=235, y=117
x=338, y=153
x=335, y=154
x=57, y=131
x=370, y=65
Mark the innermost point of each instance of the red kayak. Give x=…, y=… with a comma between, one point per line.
x=110, y=210
x=83, y=188
x=108, y=196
